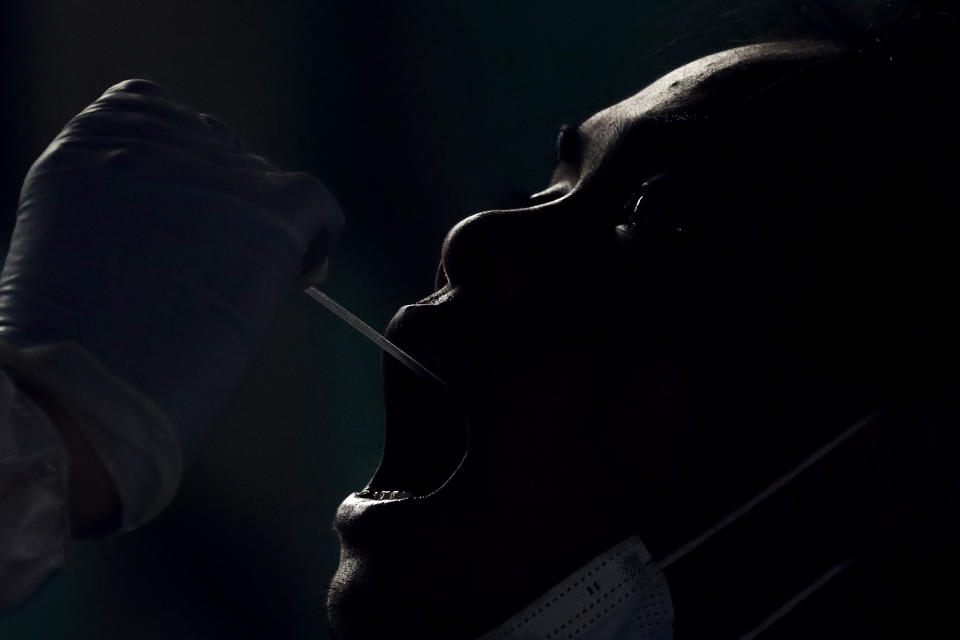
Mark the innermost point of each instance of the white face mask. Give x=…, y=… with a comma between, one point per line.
x=619, y=595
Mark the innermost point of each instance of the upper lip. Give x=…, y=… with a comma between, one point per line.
x=425, y=331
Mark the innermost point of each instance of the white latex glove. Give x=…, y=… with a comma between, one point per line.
x=147, y=234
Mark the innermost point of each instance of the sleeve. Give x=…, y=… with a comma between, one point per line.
x=133, y=438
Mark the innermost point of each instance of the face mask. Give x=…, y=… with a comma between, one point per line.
x=619, y=595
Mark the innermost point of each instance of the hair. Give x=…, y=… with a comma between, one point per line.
x=866, y=153
x=900, y=33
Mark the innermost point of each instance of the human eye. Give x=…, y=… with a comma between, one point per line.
x=658, y=204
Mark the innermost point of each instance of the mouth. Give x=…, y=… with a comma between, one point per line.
x=426, y=430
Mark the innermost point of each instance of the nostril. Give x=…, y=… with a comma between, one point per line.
x=440, y=279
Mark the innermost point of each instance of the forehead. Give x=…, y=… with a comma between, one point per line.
x=697, y=95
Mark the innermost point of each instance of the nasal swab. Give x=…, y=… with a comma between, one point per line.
x=368, y=332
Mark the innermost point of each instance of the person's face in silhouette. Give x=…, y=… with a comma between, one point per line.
x=577, y=335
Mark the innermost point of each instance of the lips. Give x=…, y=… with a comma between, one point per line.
x=426, y=435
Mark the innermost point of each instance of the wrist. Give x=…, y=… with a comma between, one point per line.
x=95, y=505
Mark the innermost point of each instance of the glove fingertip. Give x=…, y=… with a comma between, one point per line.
x=315, y=266
x=334, y=220
x=314, y=274
x=319, y=213
x=138, y=86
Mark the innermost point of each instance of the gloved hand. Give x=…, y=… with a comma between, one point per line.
x=147, y=234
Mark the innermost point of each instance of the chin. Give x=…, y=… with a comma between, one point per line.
x=363, y=606
x=354, y=612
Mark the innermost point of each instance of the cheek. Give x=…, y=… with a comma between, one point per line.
x=564, y=445
x=589, y=377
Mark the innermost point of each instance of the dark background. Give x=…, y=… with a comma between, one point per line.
x=415, y=113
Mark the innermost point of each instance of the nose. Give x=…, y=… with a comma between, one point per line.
x=502, y=246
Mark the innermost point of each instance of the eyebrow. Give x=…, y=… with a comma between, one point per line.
x=569, y=147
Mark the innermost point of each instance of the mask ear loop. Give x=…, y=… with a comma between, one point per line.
x=790, y=604
x=771, y=489
x=748, y=506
